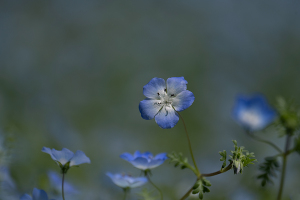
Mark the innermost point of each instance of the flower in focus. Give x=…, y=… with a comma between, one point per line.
x=253, y=112
x=36, y=195
x=66, y=158
x=126, y=181
x=56, y=181
x=145, y=161
x=164, y=100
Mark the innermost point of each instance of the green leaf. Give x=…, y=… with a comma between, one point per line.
x=269, y=169
x=181, y=161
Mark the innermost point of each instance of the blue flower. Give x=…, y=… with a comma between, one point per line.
x=36, y=195
x=125, y=181
x=66, y=158
x=164, y=99
x=145, y=161
x=253, y=112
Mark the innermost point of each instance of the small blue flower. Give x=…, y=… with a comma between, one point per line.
x=125, y=181
x=164, y=99
x=36, y=195
x=145, y=161
x=66, y=158
x=253, y=112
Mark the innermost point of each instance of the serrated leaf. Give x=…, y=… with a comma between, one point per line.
x=269, y=169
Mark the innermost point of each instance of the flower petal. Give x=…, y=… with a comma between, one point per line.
x=155, y=163
x=155, y=87
x=149, y=108
x=62, y=156
x=139, y=181
x=147, y=154
x=26, y=197
x=175, y=85
x=137, y=154
x=39, y=194
x=79, y=158
x=183, y=100
x=126, y=156
x=162, y=156
x=140, y=163
x=119, y=180
x=167, y=117
x=48, y=151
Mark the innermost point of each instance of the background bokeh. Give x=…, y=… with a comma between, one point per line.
x=72, y=73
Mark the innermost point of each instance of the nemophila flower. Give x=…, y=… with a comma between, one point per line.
x=126, y=181
x=145, y=161
x=253, y=112
x=66, y=158
x=36, y=195
x=56, y=181
x=164, y=99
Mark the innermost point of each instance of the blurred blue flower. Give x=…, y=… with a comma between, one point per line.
x=56, y=181
x=36, y=195
x=145, y=160
x=126, y=181
x=253, y=112
x=164, y=99
x=66, y=158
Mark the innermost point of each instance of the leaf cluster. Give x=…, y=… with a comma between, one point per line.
x=200, y=187
x=180, y=161
x=240, y=158
x=268, y=168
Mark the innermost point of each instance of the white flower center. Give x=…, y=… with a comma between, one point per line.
x=165, y=99
x=251, y=117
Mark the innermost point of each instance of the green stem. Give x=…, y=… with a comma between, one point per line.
x=187, y=194
x=264, y=141
x=161, y=194
x=284, y=160
x=190, y=146
x=62, y=186
x=125, y=193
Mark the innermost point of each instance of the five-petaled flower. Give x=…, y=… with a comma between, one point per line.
x=253, y=112
x=126, y=181
x=164, y=100
x=66, y=158
x=36, y=195
x=145, y=161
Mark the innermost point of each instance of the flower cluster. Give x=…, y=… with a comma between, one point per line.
x=164, y=100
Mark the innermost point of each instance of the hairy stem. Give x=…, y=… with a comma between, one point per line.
x=160, y=192
x=264, y=141
x=62, y=186
x=187, y=194
x=190, y=146
x=284, y=160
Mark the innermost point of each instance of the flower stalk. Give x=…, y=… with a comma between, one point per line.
x=149, y=180
x=62, y=186
x=284, y=160
x=190, y=145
